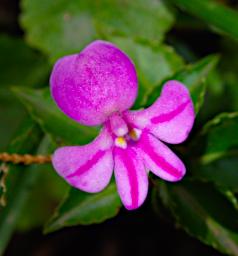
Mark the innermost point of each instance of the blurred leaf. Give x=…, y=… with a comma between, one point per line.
x=11, y=213
x=19, y=179
x=223, y=172
x=11, y=115
x=215, y=93
x=24, y=142
x=45, y=112
x=20, y=65
x=228, y=71
x=83, y=208
x=194, y=77
x=215, y=82
x=197, y=209
x=222, y=18
x=46, y=194
x=231, y=97
x=62, y=27
x=153, y=64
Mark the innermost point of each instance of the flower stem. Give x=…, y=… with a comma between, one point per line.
x=24, y=159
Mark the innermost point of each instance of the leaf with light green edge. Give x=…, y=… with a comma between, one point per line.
x=153, y=64
x=219, y=159
x=84, y=208
x=221, y=136
x=230, y=196
x=44, y=111
x=217, y=15
x=196, y=207
x=63, y=27
x=193, y=76
x=21, y=65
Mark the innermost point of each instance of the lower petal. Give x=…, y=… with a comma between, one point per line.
x=88, y=168
x=131, y=177
x=159, y=159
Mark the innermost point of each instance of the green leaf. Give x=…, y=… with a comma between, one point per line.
x=62, y=27
x=196, y=207
x=147, y=21
x=20, y=65
x=153, y=64
x=194, y=77
x=222, y=18
x=83, y=208
x=45, y=112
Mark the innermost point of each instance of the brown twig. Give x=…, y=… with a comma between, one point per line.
x=4, y=168
x=24, y=159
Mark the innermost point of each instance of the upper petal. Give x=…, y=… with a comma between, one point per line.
x=159, y=159
x=171, y=117
x=131, y=177
x=88, y=167
x=95, y=83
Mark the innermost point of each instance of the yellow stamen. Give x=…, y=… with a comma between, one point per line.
x=120, y=142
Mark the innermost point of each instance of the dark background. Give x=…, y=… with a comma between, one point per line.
x=130, y=233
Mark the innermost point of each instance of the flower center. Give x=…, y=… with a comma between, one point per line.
x=123, y=134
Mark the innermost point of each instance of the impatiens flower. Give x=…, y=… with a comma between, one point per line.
x=97, y=87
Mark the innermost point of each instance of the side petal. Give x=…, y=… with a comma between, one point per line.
x=131, y=177
x=170, y=118
x=88, y=168
x=159, y=159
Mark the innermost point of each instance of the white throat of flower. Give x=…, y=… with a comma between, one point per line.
x=122, y=132
x=134, y=135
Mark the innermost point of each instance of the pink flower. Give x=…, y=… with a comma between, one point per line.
x=97, y=87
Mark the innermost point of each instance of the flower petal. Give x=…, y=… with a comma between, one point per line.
x=131, y=177
x=170, y=118
x=88, y=167
x=159, y=159
x=91, y=85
